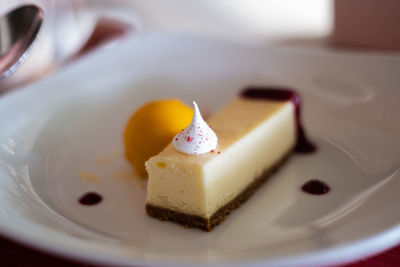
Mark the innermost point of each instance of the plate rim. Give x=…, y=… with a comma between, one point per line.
x=362, y=248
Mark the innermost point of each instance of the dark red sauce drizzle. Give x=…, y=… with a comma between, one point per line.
x=90, y=198
x=303, y=145
x=315, y=187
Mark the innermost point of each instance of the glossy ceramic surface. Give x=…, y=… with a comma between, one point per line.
x=62, y=137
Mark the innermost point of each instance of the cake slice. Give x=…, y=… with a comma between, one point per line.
x=256, y=133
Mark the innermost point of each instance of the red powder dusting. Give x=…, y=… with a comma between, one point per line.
x=219, y=152
x=212, y=151
x=189, y=139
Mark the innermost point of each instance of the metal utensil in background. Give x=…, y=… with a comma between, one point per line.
x=70, y=29
x=18, y=31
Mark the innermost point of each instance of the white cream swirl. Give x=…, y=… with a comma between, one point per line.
x=197, y=138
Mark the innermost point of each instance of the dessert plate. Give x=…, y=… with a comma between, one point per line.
x=62, y=137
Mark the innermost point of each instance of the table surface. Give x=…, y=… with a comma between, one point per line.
x=14, y=254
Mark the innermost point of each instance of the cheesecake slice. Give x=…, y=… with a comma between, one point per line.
x=256, y=133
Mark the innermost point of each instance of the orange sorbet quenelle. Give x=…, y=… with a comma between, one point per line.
x=151, y=128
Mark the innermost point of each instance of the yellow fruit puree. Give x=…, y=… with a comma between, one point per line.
x=151, y=128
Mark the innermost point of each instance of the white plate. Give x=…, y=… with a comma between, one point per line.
x=55, y=131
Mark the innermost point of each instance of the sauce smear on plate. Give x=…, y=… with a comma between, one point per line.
x=90, y=198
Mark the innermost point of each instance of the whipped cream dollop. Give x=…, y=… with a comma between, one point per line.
x=197, y=138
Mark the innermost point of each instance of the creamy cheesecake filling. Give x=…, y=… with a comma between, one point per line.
x=245, y=160
x=253, y=136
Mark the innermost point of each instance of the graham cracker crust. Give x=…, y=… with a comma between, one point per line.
x=194, y=221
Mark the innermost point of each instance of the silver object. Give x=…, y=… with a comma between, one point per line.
x=18, y=31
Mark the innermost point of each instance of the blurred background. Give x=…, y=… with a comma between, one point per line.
x=72, y=28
